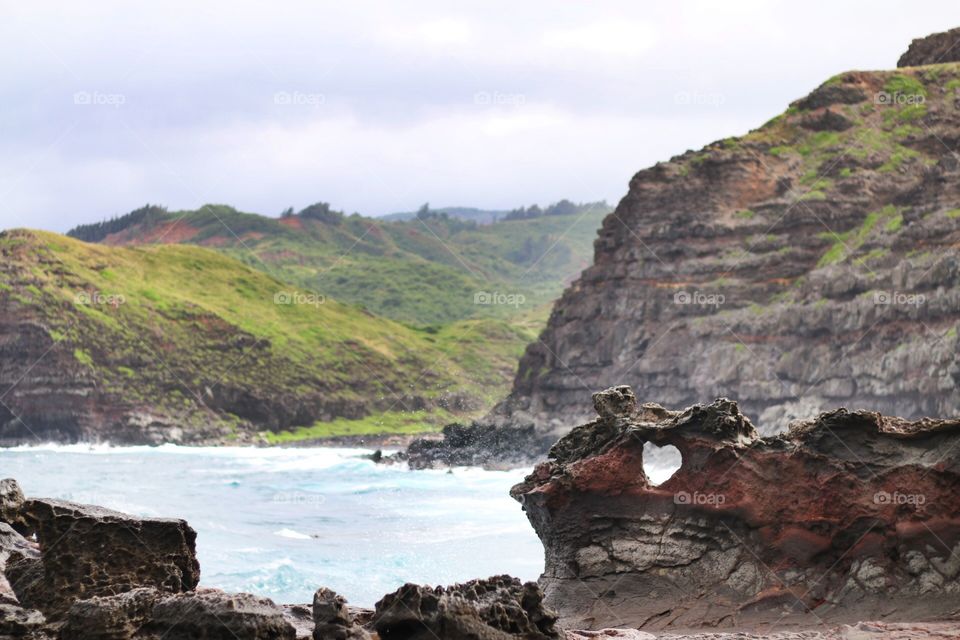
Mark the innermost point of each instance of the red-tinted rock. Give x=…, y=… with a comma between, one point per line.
x=847, y=517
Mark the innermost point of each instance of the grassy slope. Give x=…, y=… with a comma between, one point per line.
x=417, y=272
x=193, y=322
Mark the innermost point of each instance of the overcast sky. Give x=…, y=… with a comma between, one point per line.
x=380, y=106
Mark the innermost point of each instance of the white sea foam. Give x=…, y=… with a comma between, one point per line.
x=290, y=533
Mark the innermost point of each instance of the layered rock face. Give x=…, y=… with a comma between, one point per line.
x=809, y=264
x=851, y=516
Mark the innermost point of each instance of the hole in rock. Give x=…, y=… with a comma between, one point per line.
x=660, y=463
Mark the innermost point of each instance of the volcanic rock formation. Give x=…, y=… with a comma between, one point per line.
x=847, y=517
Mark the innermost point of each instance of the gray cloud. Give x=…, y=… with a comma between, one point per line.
x=378, y=107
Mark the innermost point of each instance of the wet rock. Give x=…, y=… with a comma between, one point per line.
x=933, y=49
x=11, y=503
x=496, y=609
x=90, y=551
x=214, y=615
x=478, y=444
x=116, y=617
x=850, y=515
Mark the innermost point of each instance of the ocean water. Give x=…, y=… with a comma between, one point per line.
x=283, y=522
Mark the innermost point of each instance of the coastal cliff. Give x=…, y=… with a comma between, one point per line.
x=808, y=264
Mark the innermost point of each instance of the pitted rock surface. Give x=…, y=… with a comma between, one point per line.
x=497, y=608
x=90, y=551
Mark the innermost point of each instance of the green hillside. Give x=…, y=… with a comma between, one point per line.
x=183, y=338
x=429, y=271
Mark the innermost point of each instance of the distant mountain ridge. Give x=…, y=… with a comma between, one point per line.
x=489, y=216
x=430, y=270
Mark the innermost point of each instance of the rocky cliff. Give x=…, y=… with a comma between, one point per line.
x=810, y=264
x=845, y=517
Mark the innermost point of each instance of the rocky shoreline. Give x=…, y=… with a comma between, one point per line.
x=793, y=536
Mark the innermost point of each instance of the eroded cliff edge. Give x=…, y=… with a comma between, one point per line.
x=847, y=517
x=810, y=263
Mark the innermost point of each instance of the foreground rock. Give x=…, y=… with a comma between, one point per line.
x=210, y=613
x=494, y=609
x=98, y=574
x=848, y=517
x=90, y=551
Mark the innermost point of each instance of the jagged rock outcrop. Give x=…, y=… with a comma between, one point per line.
x=934, y=49
x=332, y=619
x=808, y=264
x=847, y=517
x=89, y=551
x=497, y=608
x=11, y=503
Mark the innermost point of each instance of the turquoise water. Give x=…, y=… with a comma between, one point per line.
x=282, y=522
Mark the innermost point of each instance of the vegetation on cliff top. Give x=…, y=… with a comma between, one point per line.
x=196, y=336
